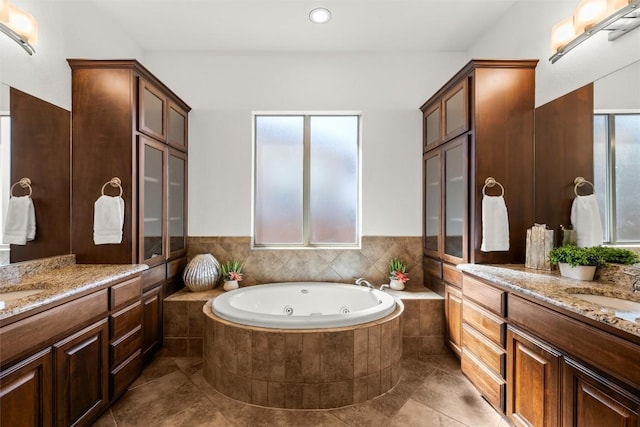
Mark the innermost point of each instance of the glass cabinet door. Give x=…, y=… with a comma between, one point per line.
x=177, y=202
x=152, y=111
x=177, y=127
x=455, y=199
x=152, y=229
x=432, y=121
x=456, y=111
x=432, y=199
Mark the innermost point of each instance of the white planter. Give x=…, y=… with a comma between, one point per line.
x=230, y=285
x=396, y=285
x=580, y=272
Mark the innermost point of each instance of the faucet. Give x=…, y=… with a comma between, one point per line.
x=384, y=286
x=363, y=281
x=636, y=285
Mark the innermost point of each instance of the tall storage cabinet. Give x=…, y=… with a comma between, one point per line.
x=128, y=124
x=478, y=125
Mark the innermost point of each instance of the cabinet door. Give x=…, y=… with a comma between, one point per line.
x=26, y=392
x=152, y=111
x=177, y=197
x=432, y=126
x=455, y=108
x=592, y=401
x=453, y=313
x=432, y=207
x=151, y=322
x=178, y=127
x=455, y=158
x=533, y=386
x=82, y=368
x=153, y=160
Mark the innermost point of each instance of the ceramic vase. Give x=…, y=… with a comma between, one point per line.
x=580, y=272
x=230, y=285
x=202, y=273
x=396, y=285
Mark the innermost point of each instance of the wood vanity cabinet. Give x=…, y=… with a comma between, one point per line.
x=478, y=125
x=453, y=314
x=127, y=123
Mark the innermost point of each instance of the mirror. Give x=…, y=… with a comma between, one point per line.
x=36, y=144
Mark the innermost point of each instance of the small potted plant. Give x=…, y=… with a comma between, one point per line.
x=577, y=263
x=397, y=274
x=232, y=273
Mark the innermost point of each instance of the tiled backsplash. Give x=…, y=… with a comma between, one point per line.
x=326, y=265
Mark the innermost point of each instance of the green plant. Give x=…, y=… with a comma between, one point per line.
x=573, y=255
x=232, y=270
x=618, y=255
x=398, y=270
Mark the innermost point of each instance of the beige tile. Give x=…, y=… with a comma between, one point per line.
x=433, y=346
x=373, y=385
x=293, y=358
x=276, y=356
x=360, y=389
x=106, y=420
x=445, y=362
x=259, y=355
x=277, y=393
x=175, y=347
x=373, y=355
x=194, y=347
x=175, y=318
x=203, y=385
x=360, y=351
x=159, y=367
x=336, y=394
x=311, y=357
x=310, y=396
x=411, y=318
x=411, y=346
x=188, y=365
x=259, y=392
x=385, y=379
x=360, y=416
x=293, y=395
x=415, y=414
x=431, y=317
x=243, y=351
x=195, y=318
x=385, y=344
x=199, y=414
x=336, y=356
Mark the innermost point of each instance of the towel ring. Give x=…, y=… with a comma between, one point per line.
x=24, y=183
x=579, y=182
x=491, y=182
x=114, y=182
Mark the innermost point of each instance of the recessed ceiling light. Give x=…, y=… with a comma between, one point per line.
x=320, y=15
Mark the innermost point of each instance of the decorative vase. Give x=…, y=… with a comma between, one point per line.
x=230, y=285
x=580, y=272
x=202, y=273
x=396, y=285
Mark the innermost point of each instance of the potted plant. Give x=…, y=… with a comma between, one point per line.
x=397, y=274
x=577, y=263
x=232, y=273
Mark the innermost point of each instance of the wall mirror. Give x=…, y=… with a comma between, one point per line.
x=36, y=143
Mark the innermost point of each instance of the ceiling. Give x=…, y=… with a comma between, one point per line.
x=283, y=25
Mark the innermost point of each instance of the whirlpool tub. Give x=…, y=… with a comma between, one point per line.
x=303, y=345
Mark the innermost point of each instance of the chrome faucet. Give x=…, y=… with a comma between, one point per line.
x=636, y=282
x=362, y=281
x=384, y=286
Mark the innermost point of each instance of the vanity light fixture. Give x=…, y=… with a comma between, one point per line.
x=320, y=15
x=619, y=17
x=19, y=25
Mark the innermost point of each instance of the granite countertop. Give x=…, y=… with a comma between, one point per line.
x=550, y=287
x=58, y=283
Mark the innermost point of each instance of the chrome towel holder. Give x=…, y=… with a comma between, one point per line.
x=114, y=182
x=491, y=182
x=24, y=183
x=579, y=182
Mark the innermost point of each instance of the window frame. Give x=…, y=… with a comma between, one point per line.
x=610, y=208
x=306, y=244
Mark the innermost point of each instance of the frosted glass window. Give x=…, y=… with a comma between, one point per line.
x=616, y=160
x=306, y=188
x=279, y=180
x=333, y=184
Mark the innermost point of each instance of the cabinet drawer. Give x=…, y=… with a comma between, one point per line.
x=125, y=374
x=153, y=276
x=451, y=274
x=492, y=298
x=433, y=267
x=487, y=323
x=489, y=353
x=175, y=267
x=492, y=387
x=125, y=320
x=125, y=293
x=125, y=346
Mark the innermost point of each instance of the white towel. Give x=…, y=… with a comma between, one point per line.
x=108, y=219
x=495, y=224
x=585, y=217
x=20, y=222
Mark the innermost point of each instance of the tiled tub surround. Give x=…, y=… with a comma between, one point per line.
x=551, y=288
x=59, y=278
x=302, y=368
x=316, y=265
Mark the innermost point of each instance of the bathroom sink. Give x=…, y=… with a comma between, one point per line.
x=625, y=309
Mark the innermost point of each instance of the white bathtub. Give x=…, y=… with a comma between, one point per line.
x=303, y=305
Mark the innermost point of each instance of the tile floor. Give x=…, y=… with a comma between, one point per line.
x=432, y=391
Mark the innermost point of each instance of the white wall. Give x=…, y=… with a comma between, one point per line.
x=619, y=91
x=224, y=88
x=524, y=32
